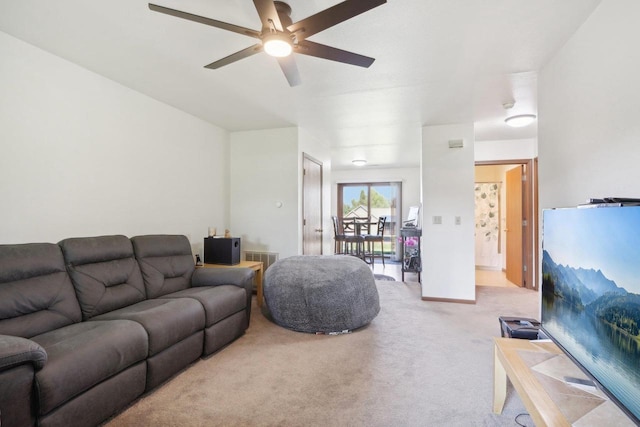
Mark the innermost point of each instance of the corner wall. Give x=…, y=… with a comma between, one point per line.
x=589, y=110
x=265, y=171
x=448, y=258
x=81, y=155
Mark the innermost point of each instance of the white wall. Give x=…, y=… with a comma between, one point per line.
x=512, y=149
x=589, y=110
x=81, y=155
x=447, y=191
x=264, y=171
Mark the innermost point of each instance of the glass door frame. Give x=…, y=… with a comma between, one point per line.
x=395, y=225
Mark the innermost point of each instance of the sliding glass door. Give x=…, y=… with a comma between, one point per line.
x=366, y=202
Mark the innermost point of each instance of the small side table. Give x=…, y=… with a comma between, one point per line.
x=256, y=266
x=411, y=257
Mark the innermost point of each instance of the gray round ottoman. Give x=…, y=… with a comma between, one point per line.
x=321, y=293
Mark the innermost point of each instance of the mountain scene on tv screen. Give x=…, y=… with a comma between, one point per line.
x=591, y=291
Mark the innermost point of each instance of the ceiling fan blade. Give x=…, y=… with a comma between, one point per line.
x=332, y=16
x=267, y=12
x=244, y=53
x=290, y=70
x=327, y=52
x=206, y=21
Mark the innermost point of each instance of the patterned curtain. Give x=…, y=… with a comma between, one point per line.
x=487, y=211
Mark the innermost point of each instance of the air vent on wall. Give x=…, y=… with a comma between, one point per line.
x=456, y=143
x=267, y=258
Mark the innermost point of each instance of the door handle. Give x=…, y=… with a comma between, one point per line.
x=319, y=230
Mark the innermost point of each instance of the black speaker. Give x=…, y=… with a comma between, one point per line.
x=222, y=250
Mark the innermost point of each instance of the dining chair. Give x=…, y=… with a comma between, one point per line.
x=372, y=239
x=338, y=236
x=353, y=242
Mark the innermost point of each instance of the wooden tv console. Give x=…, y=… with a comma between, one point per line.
x=537, y=370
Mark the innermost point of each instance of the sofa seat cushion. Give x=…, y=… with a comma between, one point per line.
x=219, y=302
x=167, y=321
x=83, y=355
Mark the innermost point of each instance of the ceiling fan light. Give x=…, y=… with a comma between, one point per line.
x=277, y=45
x=520, y=120
x=359, y=162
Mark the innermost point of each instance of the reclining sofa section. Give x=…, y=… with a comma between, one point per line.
x=90, y=324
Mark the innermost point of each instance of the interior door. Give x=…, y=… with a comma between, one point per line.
x=312, y=206
x=514, y=225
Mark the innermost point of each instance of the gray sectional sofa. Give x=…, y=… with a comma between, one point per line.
x=90, y=324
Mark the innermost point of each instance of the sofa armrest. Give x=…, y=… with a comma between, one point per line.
x=20, y=358
x=16, y=351
x=242, y=277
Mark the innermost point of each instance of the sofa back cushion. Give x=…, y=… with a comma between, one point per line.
x=36, y=295
x=166, y=263
x=104, y=272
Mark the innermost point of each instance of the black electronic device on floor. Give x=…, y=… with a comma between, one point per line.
x=519, y=327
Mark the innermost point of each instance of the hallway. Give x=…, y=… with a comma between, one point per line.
x=483, y=277
x=493, y=278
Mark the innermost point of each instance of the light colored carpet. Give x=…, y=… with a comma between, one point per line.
x=418, y=363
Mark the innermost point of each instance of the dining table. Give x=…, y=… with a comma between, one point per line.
x=355, y=228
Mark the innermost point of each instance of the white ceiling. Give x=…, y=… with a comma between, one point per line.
x=437, y=62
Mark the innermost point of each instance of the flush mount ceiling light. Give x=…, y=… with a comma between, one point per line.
x=277, y=44
x=520, y=120
x=359, y=162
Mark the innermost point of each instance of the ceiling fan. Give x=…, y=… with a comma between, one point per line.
x=280, y=37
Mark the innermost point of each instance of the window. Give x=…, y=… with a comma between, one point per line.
x=369, y=201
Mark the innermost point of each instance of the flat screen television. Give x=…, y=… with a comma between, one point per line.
x=590, y=303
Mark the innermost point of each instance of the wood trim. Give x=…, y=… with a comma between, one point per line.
x=528, y=237
x=536, y=217
x=502, y=162
x=515, y=230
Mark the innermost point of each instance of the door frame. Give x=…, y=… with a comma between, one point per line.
x=305, y=157
x=398, y=223
x=530, y=256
